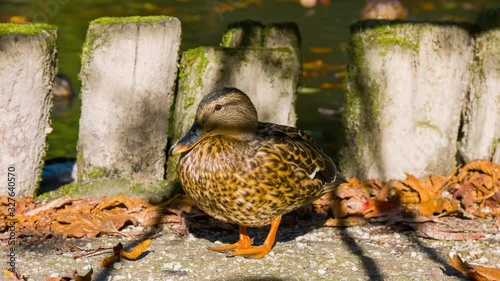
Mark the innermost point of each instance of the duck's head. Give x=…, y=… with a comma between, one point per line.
x=226, y=111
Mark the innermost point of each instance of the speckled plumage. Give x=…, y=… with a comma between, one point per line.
x=246, y=172
x=250, y=183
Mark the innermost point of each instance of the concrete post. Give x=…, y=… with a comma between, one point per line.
x=27, y=70
x=268, y=70
x=129, y=68
x=405, y=88
x=481, y=128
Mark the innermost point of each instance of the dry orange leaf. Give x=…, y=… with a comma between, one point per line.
x=119, y=253
x=476, y=272
x=437, y=206
x=109, y=261
x=321, y=65
x=320, y=50
x=376, y=208
x=483, y=166
x=350, y=221
x=91, y=225
x=341, y=74
x=328, y=85
x=58, y=203
x=120, y=201
x=14, y=276
x=19, y=19
x=11, y=275
x=136, y=251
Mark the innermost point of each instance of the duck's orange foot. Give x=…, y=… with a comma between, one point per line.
x=253, y=252
x=244, y=243
x=244, y=246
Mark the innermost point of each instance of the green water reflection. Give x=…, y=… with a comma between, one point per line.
x=324, y=31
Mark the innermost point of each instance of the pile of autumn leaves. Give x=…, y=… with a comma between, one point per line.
x=468, y=192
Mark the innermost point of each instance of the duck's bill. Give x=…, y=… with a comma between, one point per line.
x=190, y=139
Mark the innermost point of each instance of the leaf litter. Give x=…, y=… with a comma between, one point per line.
x=437, y=207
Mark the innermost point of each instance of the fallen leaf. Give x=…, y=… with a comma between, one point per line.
x=120, y=202
x=340, y=74
x=476, y=272
x=91, y=225
x=14, y=276
x=350, y=221
x=136, y=251
x=11, y=275
x=19, y=19
x=328, y=85
x=119, y=253
x=108, y=261
x=437, y=206
x=320, y=50
x=58, y=203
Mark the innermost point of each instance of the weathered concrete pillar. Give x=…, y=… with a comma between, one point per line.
x=481, y=129
x=27, y=70
x=254, y=34
x=129, y=67
x=406, y=84
x=267, y=70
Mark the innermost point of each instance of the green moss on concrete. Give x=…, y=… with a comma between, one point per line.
x=255, y=35
x=495, y=142
x=125, y=20
x=387, y=34
x=93, y=40
x=26, y=29
x=428, y=125
x=72, y=190
x=228, y=37
x=188, y=102
x=363, y=104
x=193, y=62
x=190, y=80
x=114, y=187
x=249, y=31
x=96, y=173
x=79, y=162
x=486, y=50
x=390, y=36
x=193, y=65
x=48, y=31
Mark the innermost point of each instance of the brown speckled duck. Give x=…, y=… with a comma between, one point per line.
x=246, y=172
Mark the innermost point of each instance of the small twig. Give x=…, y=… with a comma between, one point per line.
x=99, y=251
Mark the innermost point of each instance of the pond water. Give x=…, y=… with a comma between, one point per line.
x=324, y=31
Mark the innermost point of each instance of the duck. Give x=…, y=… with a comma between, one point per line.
x=62, y=87
x=249, y=173
x=62, y=94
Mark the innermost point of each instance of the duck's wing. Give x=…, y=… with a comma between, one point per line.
x=297, y=148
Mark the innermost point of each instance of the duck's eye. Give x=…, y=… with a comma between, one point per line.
x=218, y=107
